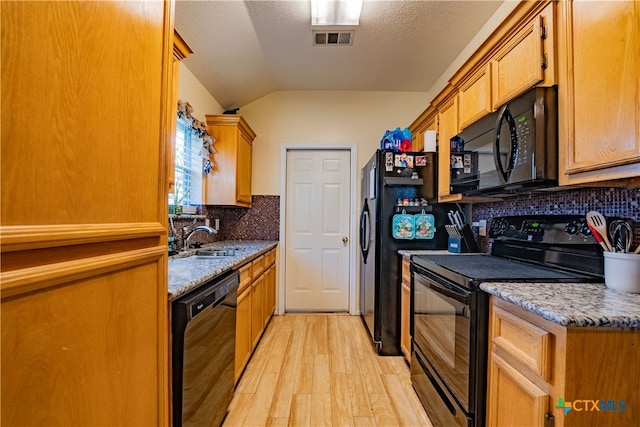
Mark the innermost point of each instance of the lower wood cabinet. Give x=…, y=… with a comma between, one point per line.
x=538, y=368
x=405, y=310
x=256, y=304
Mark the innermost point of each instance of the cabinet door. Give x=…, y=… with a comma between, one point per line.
x=513, y=399
x=243, y=331
x=270, y=293
x=405, y=320
x=448, y=128
x=474, y=97
x=243, y=183
x=257, y=319
x=519, y=64
x=599, y=91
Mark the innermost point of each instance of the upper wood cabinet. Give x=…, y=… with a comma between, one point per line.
x=474, y=97
x=447, y=129
x=229, y=184
x=599, y=91
x=526, y=59
x=180, y=51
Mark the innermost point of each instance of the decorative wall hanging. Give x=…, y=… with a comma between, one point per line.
x=200, y=129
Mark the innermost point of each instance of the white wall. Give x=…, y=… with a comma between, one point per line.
x=192, y=91
x=323, y=117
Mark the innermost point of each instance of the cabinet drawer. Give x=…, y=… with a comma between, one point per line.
x=527, y=343
x=257, y=267
x=245, y=277
x=269, y=258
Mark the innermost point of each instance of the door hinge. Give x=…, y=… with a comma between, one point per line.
x=545, y=60
x=549, y=420
x=543, y=31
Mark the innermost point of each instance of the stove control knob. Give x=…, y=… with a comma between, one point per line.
x=572, y=228
x=584, y=229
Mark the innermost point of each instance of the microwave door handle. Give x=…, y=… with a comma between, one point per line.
x=505, y=114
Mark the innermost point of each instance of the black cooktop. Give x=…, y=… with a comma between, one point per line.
x=469, y=270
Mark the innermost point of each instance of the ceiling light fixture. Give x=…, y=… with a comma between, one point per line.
x=335, y=12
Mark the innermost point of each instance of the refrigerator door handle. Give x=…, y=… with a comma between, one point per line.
x=365, y=230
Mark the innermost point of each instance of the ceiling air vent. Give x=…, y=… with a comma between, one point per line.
x=333, y=38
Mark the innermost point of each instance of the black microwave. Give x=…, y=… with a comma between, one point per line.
x=510, y=150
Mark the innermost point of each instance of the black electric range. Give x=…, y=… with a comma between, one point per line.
x=449, y=324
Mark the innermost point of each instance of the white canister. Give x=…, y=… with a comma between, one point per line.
x=622, y=271
x=430, y=141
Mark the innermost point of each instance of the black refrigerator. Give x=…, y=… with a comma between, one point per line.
x=392, y=187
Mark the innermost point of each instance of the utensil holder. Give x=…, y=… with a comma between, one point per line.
x=622, y=271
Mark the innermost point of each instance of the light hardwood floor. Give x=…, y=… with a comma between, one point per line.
x=321, y=370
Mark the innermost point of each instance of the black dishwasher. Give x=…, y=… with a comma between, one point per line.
x=203, y=352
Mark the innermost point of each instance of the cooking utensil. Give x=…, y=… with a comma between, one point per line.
x=598, y=238
x=620, y=232
x=637, y=251
x=599, y=223
x=458, y=219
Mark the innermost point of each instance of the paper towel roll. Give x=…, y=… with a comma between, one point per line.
x=430, y=141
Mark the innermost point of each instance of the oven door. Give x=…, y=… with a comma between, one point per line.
x=442, y=331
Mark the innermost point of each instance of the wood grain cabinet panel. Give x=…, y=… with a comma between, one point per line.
x=447, y=129
x=599, y=91
x=181, y=50
x=521, y=401
x=256, y=305
x=474, y=97
x=534, y=362
x=405, y=310
x=229, y=184
x=244, y=343
x=526, y=342
x=83, y=279
x=519, y=64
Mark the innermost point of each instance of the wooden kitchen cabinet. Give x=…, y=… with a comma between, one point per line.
x=535, y=363
x=598, y=94
x=447, y=129
x=405, y=310
x=229, y=184
x=256, y=304
x=181, y=50
x=525, y=60
x=83, y=279
x=474, y=97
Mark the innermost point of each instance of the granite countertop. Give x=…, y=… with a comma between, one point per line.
x=187, y=272
x=572, y=304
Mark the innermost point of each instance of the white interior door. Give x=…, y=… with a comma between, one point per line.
x=317, y=229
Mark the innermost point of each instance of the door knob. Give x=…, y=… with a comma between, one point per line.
x=345, y=239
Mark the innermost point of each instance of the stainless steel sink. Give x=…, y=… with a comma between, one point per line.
x=215, y=253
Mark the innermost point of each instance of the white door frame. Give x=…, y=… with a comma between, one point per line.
x=352, y=148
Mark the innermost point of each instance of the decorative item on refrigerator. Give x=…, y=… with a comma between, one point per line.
x=425, y=226
x=404, y=226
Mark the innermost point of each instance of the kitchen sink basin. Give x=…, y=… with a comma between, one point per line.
x=215, y=253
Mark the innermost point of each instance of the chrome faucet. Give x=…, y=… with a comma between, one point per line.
x=189, y=234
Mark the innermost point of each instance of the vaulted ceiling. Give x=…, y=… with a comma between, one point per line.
x=246, y=49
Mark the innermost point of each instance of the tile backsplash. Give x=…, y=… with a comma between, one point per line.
x=621, y=202
x=260, y=222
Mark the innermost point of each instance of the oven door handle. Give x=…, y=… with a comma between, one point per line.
x=450, y=291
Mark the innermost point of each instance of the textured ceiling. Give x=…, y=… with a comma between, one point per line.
x=244, y=50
